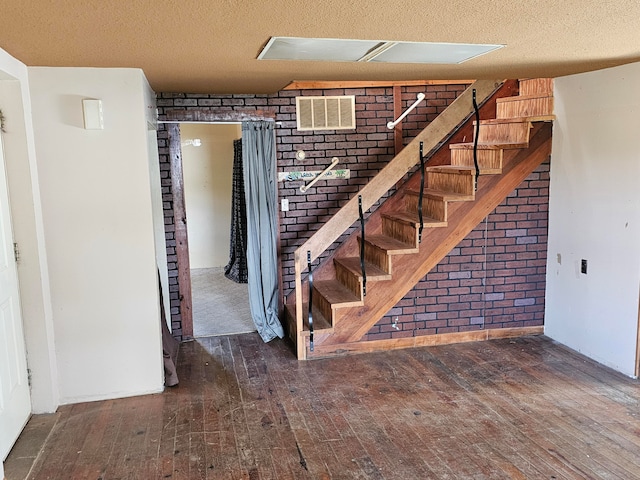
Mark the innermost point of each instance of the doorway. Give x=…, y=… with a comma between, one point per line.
x=179, y=267
x=220, y=306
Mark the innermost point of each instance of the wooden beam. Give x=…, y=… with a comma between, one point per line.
x=349, y=348
x=180, y=233
x=330, y=84
x=397, y=111
x=213, y=115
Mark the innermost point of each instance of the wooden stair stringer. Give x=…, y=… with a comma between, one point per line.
x=438, y=242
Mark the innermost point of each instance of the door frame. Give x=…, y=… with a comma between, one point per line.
x=19, y=393
x=28, y=230
x=172, y=124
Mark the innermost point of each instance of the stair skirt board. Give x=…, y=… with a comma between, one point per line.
x=340, y=349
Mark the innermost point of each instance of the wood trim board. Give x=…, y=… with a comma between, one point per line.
x=350, y=348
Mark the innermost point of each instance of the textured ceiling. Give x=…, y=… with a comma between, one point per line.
x=211, y=46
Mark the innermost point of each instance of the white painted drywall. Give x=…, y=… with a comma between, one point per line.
x=156, y=198
x=595, y=215
x=28, y=229
x=208, y=173
x=98, y=219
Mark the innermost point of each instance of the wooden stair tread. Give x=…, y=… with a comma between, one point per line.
x=413, y=219
x=390, y=245
x=489, y=145
x=337, y=294
x=472, y=169
x=499, y=121
x=469, y=146
x=320, y=324
x=446, y=196
x=457, y=169
x=538, y=118
x=516, y=98
x=374, y=273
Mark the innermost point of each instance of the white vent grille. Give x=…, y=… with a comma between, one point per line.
x=326, y=113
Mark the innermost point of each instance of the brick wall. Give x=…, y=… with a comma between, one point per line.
x=365, y=151
x=494, y=278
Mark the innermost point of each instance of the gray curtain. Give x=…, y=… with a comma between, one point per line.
x=258, y=156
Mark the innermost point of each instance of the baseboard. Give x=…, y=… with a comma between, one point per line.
x=351, y=348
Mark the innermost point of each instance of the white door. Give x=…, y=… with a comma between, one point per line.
x=15, y=402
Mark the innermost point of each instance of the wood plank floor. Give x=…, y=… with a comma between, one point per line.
x=515, y=409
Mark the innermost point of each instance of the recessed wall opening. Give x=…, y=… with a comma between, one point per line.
x=220, y=305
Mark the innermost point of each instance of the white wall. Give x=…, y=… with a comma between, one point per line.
x=595, y=215
x=156, y=198
x=98, y=221
x=23, y=181
x=208, y=173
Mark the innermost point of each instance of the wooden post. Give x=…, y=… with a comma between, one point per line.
x=180, y=224
x=397, y=111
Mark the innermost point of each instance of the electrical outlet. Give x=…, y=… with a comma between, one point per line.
x=583, y=266
x=284, y=205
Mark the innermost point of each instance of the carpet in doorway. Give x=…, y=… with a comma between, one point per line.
x=220, y=306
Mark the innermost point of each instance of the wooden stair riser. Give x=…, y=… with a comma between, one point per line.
x=536, y=86
x=531, y=106
x=431, y=207
x=404, y=231
x=504, y=133
x=349, y=280
x=377, y=256
x=451, y=182
x=324, y=306
x=489, y=160
x=321, y=331
x=291, y=324
x=331, y=295
x=354, y=266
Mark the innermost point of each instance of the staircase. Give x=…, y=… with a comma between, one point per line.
x=509, y=147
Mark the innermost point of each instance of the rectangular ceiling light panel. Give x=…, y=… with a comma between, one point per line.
x=316, y=49
x=378, y=51
x=426, y=52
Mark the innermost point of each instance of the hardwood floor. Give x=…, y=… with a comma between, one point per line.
x=516, y=409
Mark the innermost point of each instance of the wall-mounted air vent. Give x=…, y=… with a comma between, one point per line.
x=326, y=113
